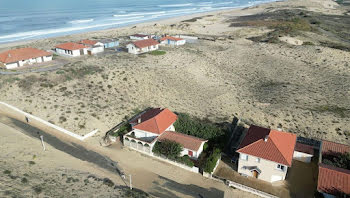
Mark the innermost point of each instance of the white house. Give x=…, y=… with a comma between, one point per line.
x=71, y=49
x=266, y=154
x=94, y=46
x=169, y=40
x=157, y=125
x=24, y=56
x=303, y=152
x=139, y=37
x=142, y=46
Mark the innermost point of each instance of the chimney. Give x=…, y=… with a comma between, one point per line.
x=139, y=120
x=9, y=55
x=279, y=129
x=266, y=138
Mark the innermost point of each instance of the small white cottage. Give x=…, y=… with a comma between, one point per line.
x=169, y=40
x=142, y=46
x=71, y=49
x=23, y=56
x=94, y=46
x=139, y=37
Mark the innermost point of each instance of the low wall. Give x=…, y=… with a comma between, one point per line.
x=249, y=189
x=192, y=169
x=21, y=115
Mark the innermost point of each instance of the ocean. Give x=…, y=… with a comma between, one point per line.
x=32, y=19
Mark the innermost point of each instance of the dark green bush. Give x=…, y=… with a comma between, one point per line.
x=168, y=148
x=340, y=160
x=211, y=161
x=185, y=160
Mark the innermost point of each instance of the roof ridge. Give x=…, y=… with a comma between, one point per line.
x=247, y=146
x=284, y=157
x=183, y=134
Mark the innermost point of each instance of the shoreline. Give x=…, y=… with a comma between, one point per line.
x=164, y=21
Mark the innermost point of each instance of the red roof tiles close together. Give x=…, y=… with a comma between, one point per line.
x=145, y=43
x=304, y=148
x=279, y=146
x=171, y=38
x=155, y=120
x=88, y=42
x=329, y=148
x=332, y=180
x=20, y=54
x=187, y=141
x=71, y=46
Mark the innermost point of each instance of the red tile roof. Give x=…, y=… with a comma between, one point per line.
x=140, y=35
x=145, y=43
x=329, y=148
x=71, y=46
x=187, y=141
x=279, y=146
x=304, y=148
x=88, y=42
x=155, y=120
x=171, y=38
x=15, y=55
x=332, y=180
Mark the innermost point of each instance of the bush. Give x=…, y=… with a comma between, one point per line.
x=123, y=130
x=157, y=52
x=308, y=43
x=185, y=160
x=340, y=160
x=168, y=148
x=211, y=161
x=7, y=172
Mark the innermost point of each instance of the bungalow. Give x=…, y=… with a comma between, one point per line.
x=139, y=37
x=94, y=46
x=142, y=46
x=169, y=40
x=266, y=154
x=109, y=43
x=157, y=125
x=71, y=49
x=333, y=181
x=24, y=56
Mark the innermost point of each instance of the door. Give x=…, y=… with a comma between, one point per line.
x=190, y=153
x=82, y=52
x=255, y=174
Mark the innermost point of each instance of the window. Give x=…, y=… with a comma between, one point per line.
x=257, y=160
x=280, y=167
x=244, y=157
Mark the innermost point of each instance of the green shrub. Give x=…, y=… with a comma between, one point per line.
x=340, y=161
x=211, y=161
x=122, y=130
x=7, y=172
x=157, y=52
x=37, y=189
x=308, y=43
x=24, y=180
x=168, y=148
x=185, y=160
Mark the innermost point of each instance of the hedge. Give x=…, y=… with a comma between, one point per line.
x=168, y=148
x=211, y=160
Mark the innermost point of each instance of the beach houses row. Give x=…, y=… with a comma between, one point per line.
x=84, y=47
x=12, y=59
x=144, y=43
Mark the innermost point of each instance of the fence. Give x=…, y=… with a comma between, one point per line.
x=192, y=169
x=31, y=117
x=249, y=189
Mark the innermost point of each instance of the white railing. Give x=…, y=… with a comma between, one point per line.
x=31, y=117
x=249, y=189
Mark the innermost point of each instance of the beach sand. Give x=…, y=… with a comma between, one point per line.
x=300, y=88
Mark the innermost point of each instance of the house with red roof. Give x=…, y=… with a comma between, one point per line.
x=15, y=58
x=333, y=181
x=157, y=124
x=139, y=36
x=174, y=41
x=71, y=49
x=142, y=46
x=94, y=46
x=266, y=154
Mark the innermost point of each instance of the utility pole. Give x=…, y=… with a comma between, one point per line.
x=42, y=142
x=130, y=182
